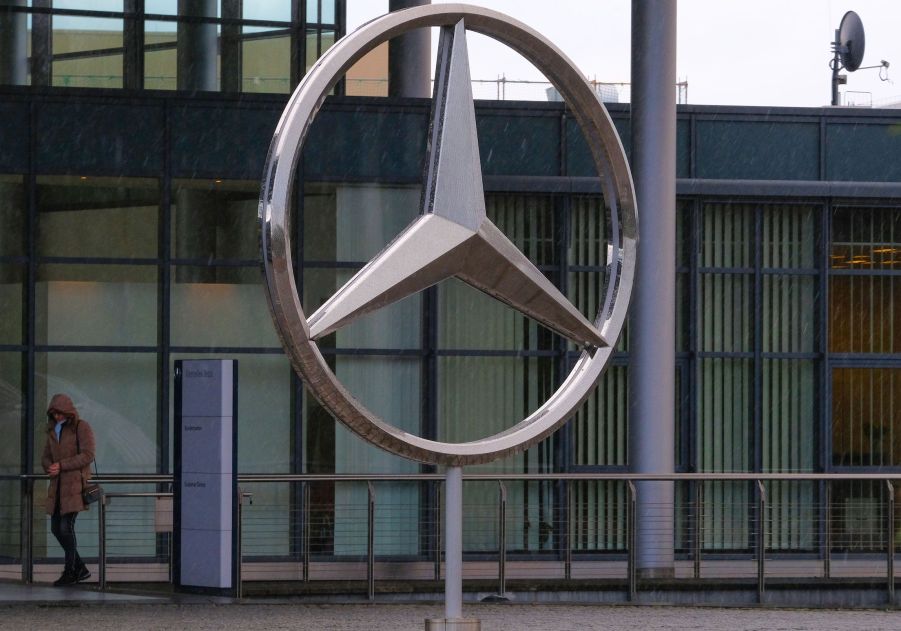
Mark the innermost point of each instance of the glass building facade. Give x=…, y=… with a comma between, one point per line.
x=129, y=241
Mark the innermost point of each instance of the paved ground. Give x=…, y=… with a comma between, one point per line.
x=507, y=617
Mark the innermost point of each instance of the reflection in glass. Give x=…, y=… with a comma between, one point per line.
x=12, y=285
x=105, y=305
x=220, y=307
x=116, y=393
x=864, y=314
x=866, y=238
x=97, y=217
x=160, y=55
x=87, y=52
x=12, y=216
x=215, y=220
x=266, y=60
x=11, y=414
x=866, y=417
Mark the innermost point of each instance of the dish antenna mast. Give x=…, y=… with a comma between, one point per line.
x=848, y=49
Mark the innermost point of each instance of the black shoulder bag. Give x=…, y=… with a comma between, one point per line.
x=90, y=492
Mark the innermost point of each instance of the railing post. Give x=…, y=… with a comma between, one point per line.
x=239, y=548
x=101, y=544
x=890, y=541
x=632, y=538
x=568, y=529
x=827, y=553
x=370, y=543
x=696, y=533
x=437, y=535
x=305, y=532
x=502, y=541
x=27, y=531
x=761, y=540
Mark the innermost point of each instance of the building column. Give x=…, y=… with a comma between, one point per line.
x=198, y=47
x=13, y=51
x=410, y=58
x=653, y=324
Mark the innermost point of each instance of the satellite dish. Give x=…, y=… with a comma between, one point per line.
x=851, y=41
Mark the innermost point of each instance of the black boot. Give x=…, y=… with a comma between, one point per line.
x=82, y=573
x=67, y=578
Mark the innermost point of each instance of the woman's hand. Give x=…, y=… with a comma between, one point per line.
x=53, y=470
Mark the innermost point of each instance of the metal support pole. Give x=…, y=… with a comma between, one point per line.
x=890, y=541
x=653, y=317
x=502, y=541
x=827, y=553
x=696, y=539
x=761, y=540
x=370, y=543
x=239, y=549
x=306, y=532
x=453, y=564
x=453, y=542
x=568, y=551
x=27, y=530
x=437, y=537
x=410, y=58
x=13, y=49
x=197, y=46
x=101, y=544
x=631, y=528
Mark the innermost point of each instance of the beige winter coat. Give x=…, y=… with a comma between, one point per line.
x=75, y=466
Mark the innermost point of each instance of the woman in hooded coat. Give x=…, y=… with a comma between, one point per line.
x=68, y=454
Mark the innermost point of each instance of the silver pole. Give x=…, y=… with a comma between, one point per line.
x=370, y=542
x=502, y=541
x=197, y=47
x=761, y=541
x=410, y=58
x=653, y=357
x=27, y=531
x=101, y=547
x=890, y=540
x=13, y=50
x=453, y=543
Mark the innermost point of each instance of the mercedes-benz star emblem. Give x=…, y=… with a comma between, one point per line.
x=452, y=236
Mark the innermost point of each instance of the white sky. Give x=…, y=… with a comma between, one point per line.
x=731, y=52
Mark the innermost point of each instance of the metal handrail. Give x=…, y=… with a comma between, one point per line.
x=28, y=480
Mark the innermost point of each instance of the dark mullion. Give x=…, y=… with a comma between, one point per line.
x=230, y=46
x=133, y=40
x=41, y=45
x=29, y=308
x=298, y=41
x=298, y=518
x=164, y=300
x=757, y=375
x=693, y=315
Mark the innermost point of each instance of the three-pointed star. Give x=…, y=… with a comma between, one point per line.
x=453, y=236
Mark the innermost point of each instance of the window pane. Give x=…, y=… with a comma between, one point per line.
x=726, y=312
x=12, y=285
x=789, y=313
x=312, y=10
x=312, y=44
x=866, y=417
x=328, y=11
x=98, y=217
x=96, y=305
x=866, y=238
x=789, y=238
x=220, y=307
x=12, y=216
x=87, y=52
x=865, y=314
x=354, y=222
x=788, y=415
x=160, y=55
x=215, y=219
x=266, y=60
x=268, y=10
x=724, y=414
x=600, y=426
x=12, y=400
x=727, y=235
x=116, y=393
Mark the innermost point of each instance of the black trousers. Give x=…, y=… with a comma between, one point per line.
x=63, y=528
